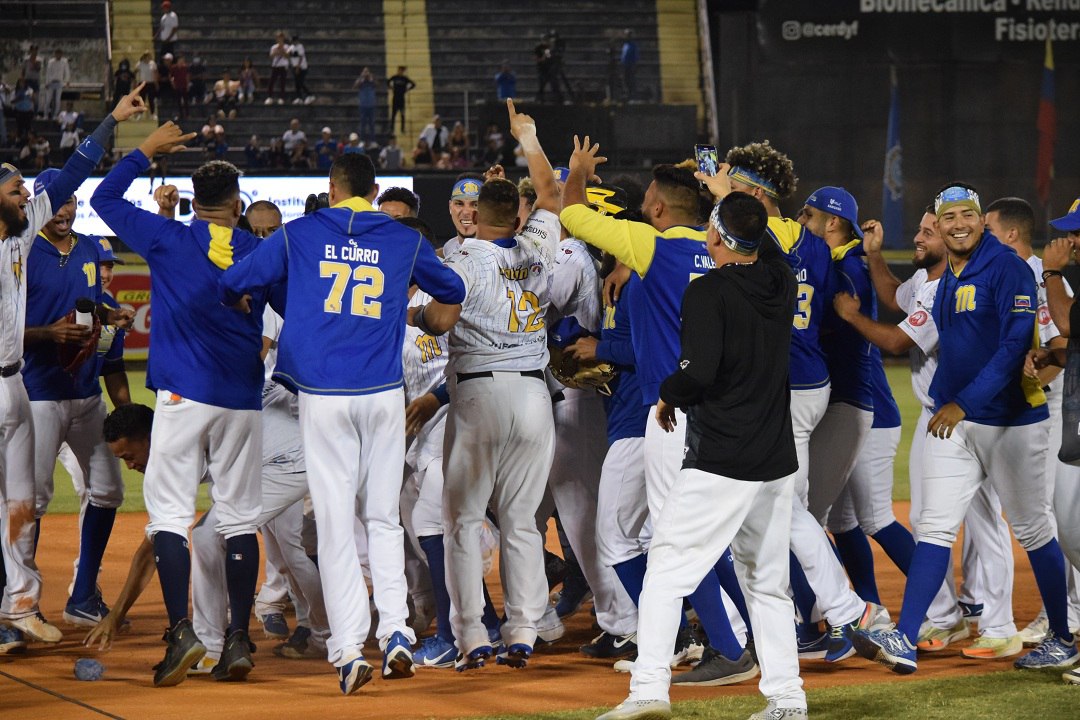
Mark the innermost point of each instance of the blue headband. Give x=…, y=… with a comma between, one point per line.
x=749, y=177
x=732, y=242
x=8, y=171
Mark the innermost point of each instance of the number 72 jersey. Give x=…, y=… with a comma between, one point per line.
x=507, y=292
x=811, y=261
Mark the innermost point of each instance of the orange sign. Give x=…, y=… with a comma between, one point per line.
x=131, y=288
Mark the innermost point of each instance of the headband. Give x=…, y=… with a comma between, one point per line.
x=955, y=195
x=8, y=171
x=732, y=242
x=749, y=177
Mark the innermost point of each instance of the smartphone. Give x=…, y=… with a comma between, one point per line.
x=707, y=160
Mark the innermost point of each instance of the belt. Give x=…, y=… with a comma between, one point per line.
x=10, y=369
x=538, y=374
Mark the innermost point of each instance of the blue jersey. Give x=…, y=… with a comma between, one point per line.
x=985, y=316
x=348, y=271
x=53, y=283
x=627, y=415
x=199, y=349
x=848, y=353
x=886, y=412
x=811, y=261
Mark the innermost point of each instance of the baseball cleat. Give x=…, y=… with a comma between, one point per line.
x=301, y=646
x=87, y=613
x=1052, y=652
x=1071, y=676
x=936, y=639
x=12, y=641
x=183, y=651
x=989, y=648
x=1036, y=630
x=639, y=710
x=516, y=656
x=888, y=647
x=715, y=669
x=474, y=660
x=550, y=628
x=688, y=650
x=606, y=645
x=354, y=674
x=397, y=658
x=235, y=662
x=274, y=626
x=771, y=712
x=812, y=643
x=435, y=652
x=204, y=666
x=840, y=647
x=575, y=593
x=36, y=627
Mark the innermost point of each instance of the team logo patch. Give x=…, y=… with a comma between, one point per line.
x=1044, y=315
x=918, y=318
x=683, y=364
x=536, y=268
x=1022, y=301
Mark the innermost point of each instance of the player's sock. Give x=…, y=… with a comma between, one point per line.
x=1048, y=565
x=725, y=573
x=709, y=604
x=96, y=528
x=929, y=565
x=858, y=559
x=803, y=594
x=174, y=572
x=898, y=543
x=490, y=618
x=432, y=545
x=241, y=576
x=632, y=575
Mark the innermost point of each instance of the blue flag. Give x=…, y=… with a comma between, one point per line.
x=892, y=200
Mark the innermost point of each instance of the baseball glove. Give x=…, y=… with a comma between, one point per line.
x=71, y=357
x=568, y=370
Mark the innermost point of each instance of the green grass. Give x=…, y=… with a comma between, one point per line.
x=65, y=501
x=1009, y=695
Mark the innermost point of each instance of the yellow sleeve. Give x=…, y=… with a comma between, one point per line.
x=632, y=243
x=221, y=250
x=786, y=232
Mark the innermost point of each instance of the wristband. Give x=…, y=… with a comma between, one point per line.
x=442, y=394
x=529, y=143
x=1052, y=273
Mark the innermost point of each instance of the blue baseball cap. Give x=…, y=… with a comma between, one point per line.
x=561, y=173
x=467, y=189
x=839, y=202
x=1071, y=221
x=44, y=179
x=566, y=332
x=105, y=252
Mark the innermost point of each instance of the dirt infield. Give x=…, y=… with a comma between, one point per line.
x=558, y=678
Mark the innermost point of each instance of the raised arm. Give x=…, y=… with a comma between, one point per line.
x=885, y=283
x=523, y=128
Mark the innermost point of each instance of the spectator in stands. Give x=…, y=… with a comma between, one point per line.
x=221, y=144
x=22, y=105
x=365, y=85
x=444, y=162
x=197, y=71
x=399, y=85
x=558, y=68
x=255, y=154
x=165, y=87
x=57, y=77
x=5, y=103
x=70, y=137
x=326, y=150
x=391, y=157
x=181, y=85
x=353, y=146
x=421, y=154
x=279, y=69
x=544, y=76
x=459, y=143
x=147, y=74
x=399, y=202
x=300, y=158
x=208, y=135
x=122, y=79
x=225, y=93
x=35, y=153
x=493, y=132
x=293, y=135
x=31, y=73
x=249, y=80
x=71, y=116
x=505, y=82
x=168, y=28
x=436, y=136
x=493, y=153
x=629, y=60
x=299, y=64
x=277, y=155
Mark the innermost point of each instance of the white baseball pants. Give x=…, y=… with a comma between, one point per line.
x=17, y=509
x=835, y=445
x=867, y=499
x=623, y=530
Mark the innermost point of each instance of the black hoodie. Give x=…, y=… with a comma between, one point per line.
x=733, y=370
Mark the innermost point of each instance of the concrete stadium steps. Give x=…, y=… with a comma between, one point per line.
x=33, y=20
x=132, y=35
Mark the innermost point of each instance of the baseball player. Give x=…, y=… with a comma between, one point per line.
x=399, y=202
x=740, y=447
x=665, y=253
x=65, y=394
x=463, y=198
x=340, y=348
x=760, y=170
x=987, y=425
x=208, y=376
x=20, y=220
x=990, y=537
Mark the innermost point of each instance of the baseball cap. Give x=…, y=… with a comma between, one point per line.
x=44, y=178
x=606, y=199
x=839, y=202
x=1071, y=221
x=8, y=171
x=353, y=137
x=105, y=252
x=467, y=189
x=326, y=130
x=561, y=173
x=167, y=56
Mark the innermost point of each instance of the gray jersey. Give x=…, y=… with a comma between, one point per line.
x=507, y=293
x=13, y=254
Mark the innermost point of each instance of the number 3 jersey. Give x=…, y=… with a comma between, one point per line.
x=507, y=293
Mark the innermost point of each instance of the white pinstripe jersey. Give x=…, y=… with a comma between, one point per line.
x=423, y=356
x=452, y=245
x=13, y=253
x=915, y=296
x=1047, y=329
x=575, y=286
x=507, y=293
x=281, y=444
